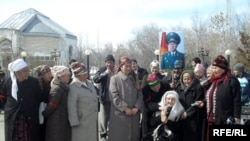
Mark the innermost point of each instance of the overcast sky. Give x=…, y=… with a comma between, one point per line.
x=114, y=20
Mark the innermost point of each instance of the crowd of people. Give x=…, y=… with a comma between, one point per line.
x=122, y=102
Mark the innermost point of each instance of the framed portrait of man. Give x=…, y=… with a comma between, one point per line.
x=171, y=49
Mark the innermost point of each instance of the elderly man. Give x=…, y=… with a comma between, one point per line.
x=23, y=96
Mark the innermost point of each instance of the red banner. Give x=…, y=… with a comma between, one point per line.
x=164, y=45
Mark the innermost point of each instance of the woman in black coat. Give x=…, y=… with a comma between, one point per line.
x=190, y=91
x=56, y=112
x=222, y=99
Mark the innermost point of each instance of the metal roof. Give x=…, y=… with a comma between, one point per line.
x=32, y=21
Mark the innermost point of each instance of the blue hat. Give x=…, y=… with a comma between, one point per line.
x=173, y=37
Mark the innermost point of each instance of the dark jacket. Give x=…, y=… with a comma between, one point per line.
x=103, y=78
x=56, y=114
x=245, y=88
x=151, y=113
x=29, y=98
x=193, y=124
x=141, y=72
x=228, y=102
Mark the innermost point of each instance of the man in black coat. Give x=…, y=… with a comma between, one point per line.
x=139, y=71
x=102, y=78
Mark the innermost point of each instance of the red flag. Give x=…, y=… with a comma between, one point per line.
x=164, y=45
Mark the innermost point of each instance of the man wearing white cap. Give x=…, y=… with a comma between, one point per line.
x=23, y=96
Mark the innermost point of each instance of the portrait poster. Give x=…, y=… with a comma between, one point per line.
x=172, y=50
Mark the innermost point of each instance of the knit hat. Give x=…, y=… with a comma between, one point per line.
x=15, y=66
x=110, y=57
x=199, y=68
x=59, y=71
x=78, y=68
x=41, y=70
x=221, y=61
x=239, y=67
x=152, y=80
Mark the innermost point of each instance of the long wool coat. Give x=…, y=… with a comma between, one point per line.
x=56, y=114
x=83, y=111
x=123, y=93
x=29, y=98
x=191, y=126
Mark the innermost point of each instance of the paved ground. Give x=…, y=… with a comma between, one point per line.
x=1, y=128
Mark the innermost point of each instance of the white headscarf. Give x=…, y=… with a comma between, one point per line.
x=15, y=66
x=177, y=108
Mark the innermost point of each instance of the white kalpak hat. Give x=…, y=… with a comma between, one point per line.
x=15, y=66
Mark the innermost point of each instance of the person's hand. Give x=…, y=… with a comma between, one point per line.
x=128, y=112
x=184, y=115
x=172, y=85
x=108, y=70
x=237, y=120
x=161, y=108
x=164, y=117
x=200, y=104
x=135, y=110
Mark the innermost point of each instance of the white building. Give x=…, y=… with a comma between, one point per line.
x=43, y=40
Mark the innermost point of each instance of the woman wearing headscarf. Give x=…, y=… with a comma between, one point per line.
x=190, y=91
x=126, y=103
x=23, y=96
x=43, y=73
x=171, y=112
x=82, y=105
x=223, y=96
x=199, y=72
x=56, y=113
